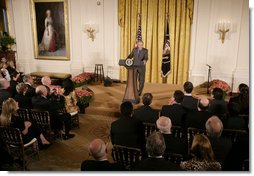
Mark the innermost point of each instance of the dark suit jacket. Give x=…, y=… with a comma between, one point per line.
x=218, y=107
x=12, y=88
x=237, y=123
x=138, y=58
x=244, y=109
x=24, y=102
x=190, y=103
x=155, y=164
x=4, y=95
x=197, y=119
x=91, y=165
x=175, y=145
x=129, y=132
x=221, y=148
x=30, y=91
x=175, y=112
x=146, y=114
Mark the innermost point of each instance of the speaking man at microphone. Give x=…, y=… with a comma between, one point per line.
x=140, y=54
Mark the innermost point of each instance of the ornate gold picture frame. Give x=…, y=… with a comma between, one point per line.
x=50, y=29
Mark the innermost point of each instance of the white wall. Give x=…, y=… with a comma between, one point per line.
x=83, y=52
x=229, y=61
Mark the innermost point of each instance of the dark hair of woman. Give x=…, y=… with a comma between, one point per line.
x=68, y=86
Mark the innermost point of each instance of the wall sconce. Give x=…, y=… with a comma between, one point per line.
x=91, y=30
x=223, y=27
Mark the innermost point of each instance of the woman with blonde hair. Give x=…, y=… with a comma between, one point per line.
x=10, y=118
x=202, y=156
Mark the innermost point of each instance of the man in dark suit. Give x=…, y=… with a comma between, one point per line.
x=155, y=146
x=127, y=131
x=218, y=106
x=24, y=102
x=173, y=144
x=28, y=80
x=221, y=146
x=14, y=83
x=197, y=119
x=97, y=149
x=175, y=111
x=189, y=102
x=4, y=92
x=145, y=113
x=42, y=103
x=140, y=55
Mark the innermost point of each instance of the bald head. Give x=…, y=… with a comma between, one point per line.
x=45, y=80
x=214, y=127
x=203, y=104
x=4, y=84
x=164, y=124
x=97, y=149
x=41, y=90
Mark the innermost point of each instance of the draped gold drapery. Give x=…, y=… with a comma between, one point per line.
x=153, y=18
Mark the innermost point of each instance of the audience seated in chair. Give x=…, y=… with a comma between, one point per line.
x=13, y=83
x=24, y=102
x=70, y=96
x=4, y=72
x=41, y=102
x=155, y=147
x=173, y=144
x=234, y=121
x=218, y=106
x=29, y=130
x=11, y=67
x=4, y=92
x=98, y=150
x=145, y=113
x=221, y=146
x=46, y=81
x=189, y=102
x=127, y=131
x=28, y=80
x=197, y=119
x=175, y=111
x=202, y=156
x=242, y=99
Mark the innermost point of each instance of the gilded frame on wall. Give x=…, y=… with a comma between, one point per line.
x=50, y=29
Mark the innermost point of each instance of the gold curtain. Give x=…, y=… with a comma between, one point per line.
x=153, y=18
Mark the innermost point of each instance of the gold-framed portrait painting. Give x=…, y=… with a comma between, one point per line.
x=50, y=29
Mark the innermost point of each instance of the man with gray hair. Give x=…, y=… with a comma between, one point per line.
x=155, y=147
x=4, y=93
x=28, y=80
x=173, y=144
x=98, y=150
x=221, y=146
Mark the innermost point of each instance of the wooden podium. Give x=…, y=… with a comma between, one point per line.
x=131, y=91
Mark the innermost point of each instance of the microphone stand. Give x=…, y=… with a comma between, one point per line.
x=208, y=77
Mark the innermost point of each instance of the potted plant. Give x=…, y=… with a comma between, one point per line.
x=84, y=98
x=6, y=42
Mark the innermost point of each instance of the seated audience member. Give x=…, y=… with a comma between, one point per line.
x=175, y=111
x=24, y=102
x=221, y=146
x=197, y=119
x=218, y=106
x=28, y=80
x=11, y=67
x=42, y=103
x=98, y=150
x=70, y=96
x=127, y=131
x=202, y=156
x=173, y=144
x=234, y=121
x=145, y=113
x=189, y=102
x=29, y=130
x=4, y=72
x=14, y=83
x=155, y=147
x=4, y=92
x=46, y=81
x=242, y=99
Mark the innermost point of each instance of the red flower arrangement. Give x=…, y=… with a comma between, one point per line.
x=83, y=78
x=219, y=84
x=84, y=96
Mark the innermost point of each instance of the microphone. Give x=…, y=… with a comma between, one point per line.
x=208, y=66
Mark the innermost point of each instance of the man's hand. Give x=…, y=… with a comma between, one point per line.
x=27, y=124
x=144, y=61
x=171, y=101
